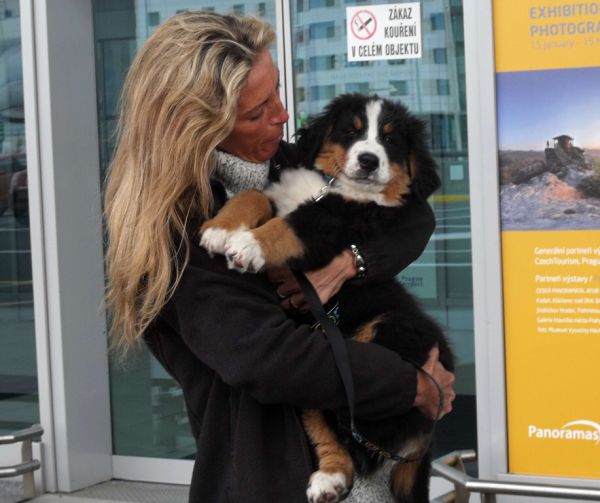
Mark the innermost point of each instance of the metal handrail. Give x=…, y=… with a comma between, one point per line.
x=28, y=465
x=32, y=433
x=464, y=484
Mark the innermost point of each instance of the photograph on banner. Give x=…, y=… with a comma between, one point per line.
x=549, y=149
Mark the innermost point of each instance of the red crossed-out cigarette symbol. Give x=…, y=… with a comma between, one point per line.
x=363, y=24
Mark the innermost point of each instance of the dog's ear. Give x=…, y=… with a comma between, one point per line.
x=310, y=139
x=423, y=169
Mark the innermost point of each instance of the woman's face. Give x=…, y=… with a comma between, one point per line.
x=258, y=128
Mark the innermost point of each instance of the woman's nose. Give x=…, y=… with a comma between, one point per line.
x=279, y=114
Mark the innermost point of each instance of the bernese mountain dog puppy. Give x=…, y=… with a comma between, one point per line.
x=365, y=157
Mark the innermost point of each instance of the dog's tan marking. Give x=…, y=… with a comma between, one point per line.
x=249, y=208
x=358, y=125
x=278, y=242
x=402, y=479
x=413, y=167
x=398, y=186
x=332, y=455
x=366, y=332
x=331, y=159
x=388, y=128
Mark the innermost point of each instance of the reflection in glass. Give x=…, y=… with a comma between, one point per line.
x=433, y=87
x=148, y=413
x=18, y=374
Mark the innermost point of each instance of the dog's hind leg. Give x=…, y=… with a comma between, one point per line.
x=247, y=210
x=333, y=480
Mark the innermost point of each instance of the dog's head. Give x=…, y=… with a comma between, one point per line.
x=372, y=146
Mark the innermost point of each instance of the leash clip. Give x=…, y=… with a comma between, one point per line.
x=325, y=189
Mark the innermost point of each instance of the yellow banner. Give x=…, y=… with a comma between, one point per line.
x=546, y=34
x=552, y=336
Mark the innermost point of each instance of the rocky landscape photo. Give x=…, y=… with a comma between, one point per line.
x=550, y=189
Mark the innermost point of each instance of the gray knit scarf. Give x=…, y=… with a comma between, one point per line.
x=236, y=174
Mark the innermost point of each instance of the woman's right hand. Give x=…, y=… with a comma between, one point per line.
x=427, y=399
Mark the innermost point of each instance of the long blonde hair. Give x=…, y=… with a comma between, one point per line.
x=179, y=102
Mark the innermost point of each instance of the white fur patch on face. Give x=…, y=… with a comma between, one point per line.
x=353, y=173
x=330, y=487
x=295, y=187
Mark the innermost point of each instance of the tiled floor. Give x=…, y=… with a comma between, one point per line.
x=113, y=491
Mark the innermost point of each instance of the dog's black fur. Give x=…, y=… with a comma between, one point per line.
x=328, y=226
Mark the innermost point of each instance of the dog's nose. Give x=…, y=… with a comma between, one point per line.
x=368, y=162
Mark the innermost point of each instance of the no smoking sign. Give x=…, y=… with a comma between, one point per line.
x=389, y=31
x=363, y=25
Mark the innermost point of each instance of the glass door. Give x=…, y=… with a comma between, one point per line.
x=433, y=87
x=18, y=373
x=148, y=413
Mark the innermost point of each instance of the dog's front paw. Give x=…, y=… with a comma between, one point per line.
x=243, y=252
x=327, y=487
x=213, y=240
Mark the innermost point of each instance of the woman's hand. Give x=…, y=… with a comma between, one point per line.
x=327, y=281
x=428, y=397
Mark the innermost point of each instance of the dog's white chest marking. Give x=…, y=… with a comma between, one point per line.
x=295, y=187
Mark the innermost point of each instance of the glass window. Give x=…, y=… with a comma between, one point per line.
x=441, y=277
x=437, y=21
x=440, y=56
x=321, y=30
x=357, y=87
x=18, y=372
x=322, y=92
x=326, y=62
x=153, y=18
x=398, y=88
x=148, y=413
x=298, y=66
x=443, y=87
x=314, y=4
x=239, y=9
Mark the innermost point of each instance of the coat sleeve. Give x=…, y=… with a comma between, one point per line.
x=387, y=255
x=233, y=323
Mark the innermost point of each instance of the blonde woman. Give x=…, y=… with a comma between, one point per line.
x=201, y=120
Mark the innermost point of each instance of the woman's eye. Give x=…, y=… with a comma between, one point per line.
x=255, y=117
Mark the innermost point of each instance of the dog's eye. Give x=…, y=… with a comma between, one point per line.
x=388, y=139
x=351, y=132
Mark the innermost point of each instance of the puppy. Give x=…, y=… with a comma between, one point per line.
x=369, y=157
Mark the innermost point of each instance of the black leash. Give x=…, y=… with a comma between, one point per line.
x=342, y=360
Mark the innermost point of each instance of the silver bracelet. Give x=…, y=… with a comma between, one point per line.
x=359, y=262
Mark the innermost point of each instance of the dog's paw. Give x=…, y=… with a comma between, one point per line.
x=327, y=487
x=243, y=252
x=213, y=240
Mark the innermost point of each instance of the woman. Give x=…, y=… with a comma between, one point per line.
x=201, y=118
